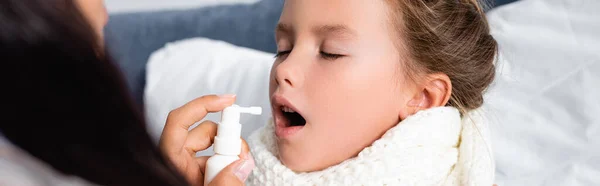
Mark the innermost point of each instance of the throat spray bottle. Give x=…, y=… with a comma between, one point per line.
x=227, y=144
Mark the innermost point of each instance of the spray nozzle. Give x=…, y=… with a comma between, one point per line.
x=228, y=141
x=250, y=110
x=232, y=113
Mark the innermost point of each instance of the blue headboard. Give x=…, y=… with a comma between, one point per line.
x=502, y=2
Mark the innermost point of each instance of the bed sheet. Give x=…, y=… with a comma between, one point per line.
x=546, y=96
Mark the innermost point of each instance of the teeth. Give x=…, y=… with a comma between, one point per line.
x=287, y=109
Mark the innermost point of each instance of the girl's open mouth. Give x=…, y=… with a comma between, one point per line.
x=293, y=118
x=288, y=120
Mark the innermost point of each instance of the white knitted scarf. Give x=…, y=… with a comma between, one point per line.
x=432, y=147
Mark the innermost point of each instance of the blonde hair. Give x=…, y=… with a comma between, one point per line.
x=450, y=37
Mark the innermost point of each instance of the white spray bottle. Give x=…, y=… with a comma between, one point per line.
x=228, y=143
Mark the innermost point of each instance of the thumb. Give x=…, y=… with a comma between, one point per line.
x=235, y=173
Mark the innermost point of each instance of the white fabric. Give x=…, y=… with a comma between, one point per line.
x=545, y=98
x=19, y=168
x=432, y=147
x=185, y=70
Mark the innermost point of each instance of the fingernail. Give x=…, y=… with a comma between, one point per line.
x=227, y=96
x=244, y=169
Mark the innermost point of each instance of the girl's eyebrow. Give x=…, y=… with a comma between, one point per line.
x=283, y=29
x=337, y=30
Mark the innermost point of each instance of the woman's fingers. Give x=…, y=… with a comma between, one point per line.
x=234, y=174
x=245, y=153
x=202, y=162
x=179, y=120
x=201, y=137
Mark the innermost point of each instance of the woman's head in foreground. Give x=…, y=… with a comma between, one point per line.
x=349, y=70
x=68, y=105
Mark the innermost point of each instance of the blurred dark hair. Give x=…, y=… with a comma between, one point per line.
x=64, y=101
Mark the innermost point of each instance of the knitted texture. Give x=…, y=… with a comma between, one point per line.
x=432, y=147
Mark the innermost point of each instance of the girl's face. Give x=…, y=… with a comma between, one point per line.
x=337, y=84
x=95, y=12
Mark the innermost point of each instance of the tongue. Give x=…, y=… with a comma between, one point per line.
x=295, y=119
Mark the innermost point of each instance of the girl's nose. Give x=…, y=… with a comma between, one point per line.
x=289, y=72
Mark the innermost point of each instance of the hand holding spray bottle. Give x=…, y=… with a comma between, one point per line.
x=227, y=144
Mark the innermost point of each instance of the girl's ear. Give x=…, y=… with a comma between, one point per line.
x=435, y=91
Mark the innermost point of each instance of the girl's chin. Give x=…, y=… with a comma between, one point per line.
x=300, y=164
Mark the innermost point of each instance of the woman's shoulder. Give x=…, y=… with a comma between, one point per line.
x=17, y=167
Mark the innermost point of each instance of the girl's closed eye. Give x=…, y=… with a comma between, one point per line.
x=324, y=55
x=282, y=53
x=330, y=56
x=332, y=49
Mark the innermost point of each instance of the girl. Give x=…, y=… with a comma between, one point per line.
x=377, y=92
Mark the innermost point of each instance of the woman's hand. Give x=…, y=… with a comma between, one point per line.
x=181, y=144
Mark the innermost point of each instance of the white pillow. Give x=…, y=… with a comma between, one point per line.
x=188, y=69
x=546, y=96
